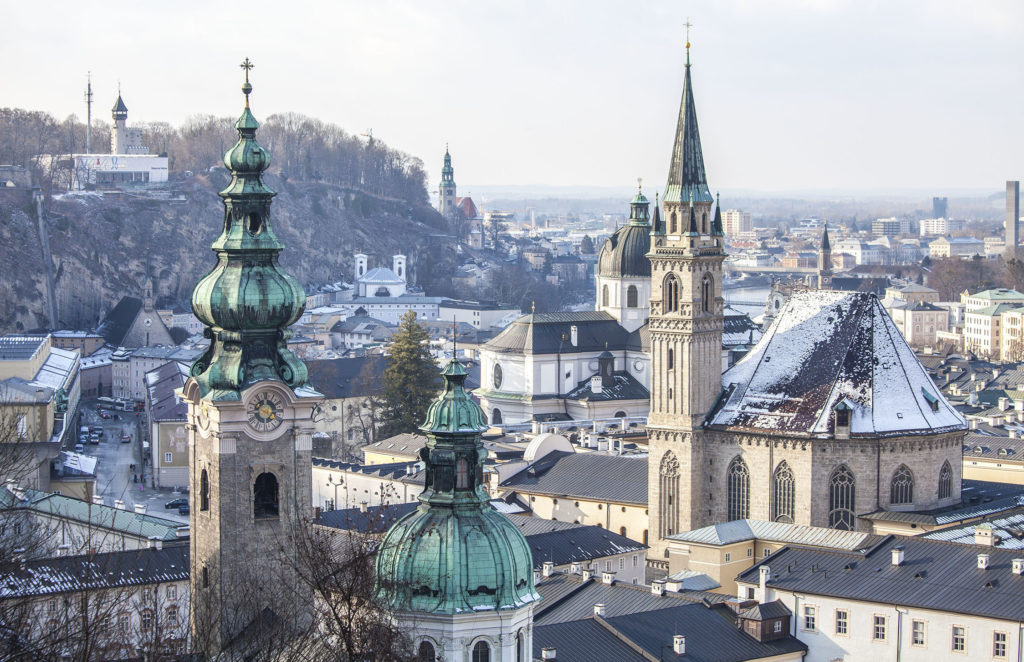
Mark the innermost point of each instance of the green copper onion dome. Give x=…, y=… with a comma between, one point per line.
x=625, y=252
x=454, y=553
x=247, y=302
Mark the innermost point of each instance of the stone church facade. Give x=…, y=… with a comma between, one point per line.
x=828, y=419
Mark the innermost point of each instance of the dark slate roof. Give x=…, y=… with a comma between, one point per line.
x=19, y=348
x=119, y=106
x=874, y=285
x=686, y=169
x=640, y=339
x=344, y=378
x=938, y=575
x=766, y=611
x=584, y=641
x=161, y=383
x=617, y=478
x=118, y=322
x=621, y=386
x=827, y=348
x=405, y=444
x=542, y=333
x=625, y=252
x=65, y=574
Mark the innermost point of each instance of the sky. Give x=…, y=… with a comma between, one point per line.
x=792, y=95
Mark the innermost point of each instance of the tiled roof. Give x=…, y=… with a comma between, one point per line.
x=825, y=348
x=614, y=478
x=934, y=575
x=65, y=574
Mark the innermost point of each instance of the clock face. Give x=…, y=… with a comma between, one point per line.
x=265, y=411
x=497, y=376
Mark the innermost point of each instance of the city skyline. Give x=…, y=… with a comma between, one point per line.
x=806, y=95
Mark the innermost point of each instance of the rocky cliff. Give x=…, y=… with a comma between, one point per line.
x=104, y=244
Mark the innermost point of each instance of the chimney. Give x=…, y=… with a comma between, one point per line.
x=658, y=587
x=140, y=508
x=183, y=531
x=983, y=536
x=97, y=499
x=897, y=555
x=608, y=577
x=602, y=445
x=574, y=335
x=596, y=384
x=673, y=585
x=982, y=561
x=764, y=572
x=599, y=609
x=62, y=550
x=679, y=644
x=119, y=504
x=536, y=576
x=1003, y=402
x=588, y=575
x=575, y=567
x=549, y=568
x=362, y=506
x=1018, y=566
x=548, y=654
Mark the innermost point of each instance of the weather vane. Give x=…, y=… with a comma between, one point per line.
x=247, y=88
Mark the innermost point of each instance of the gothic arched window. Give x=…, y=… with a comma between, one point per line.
x=425, y=653
x=739, y=489
x=901, y=490
x=785, y=494
x=672, y=223
x=841, y=499
x=631, y=297
x=481, y=652
x=604, y=296
x=461, y=474
x=945, y=481
x=670, y=294
x=264, y=492
x=705, y=293
x=204, y=491
x=668, y=488
x=521, y=647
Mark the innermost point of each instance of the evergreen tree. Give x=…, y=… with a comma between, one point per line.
x=410, y=381
x=587, y=245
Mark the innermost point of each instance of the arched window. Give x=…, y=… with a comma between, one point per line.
x=619, y=414
x=668, y=489
x=945, y=481
x=705, y=293
x=604, y=296
x=670, y=294
x=901, y=490
x=841, y=499
x=521, y=647
x=264, y=491
x=481, y=652
x=425, y=653
x=704, y=223
x=739, y=489
x=204, y=491
x=461, y=474
x=631, y=297
x=672, y=223
x=785, y=494
x=496, y=416
x=622, y=531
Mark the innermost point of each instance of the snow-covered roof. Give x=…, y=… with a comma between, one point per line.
x=825, y=348
x=381, y=276
x=58, y=370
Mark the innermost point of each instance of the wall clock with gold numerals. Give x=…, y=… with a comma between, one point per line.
x=265, y=411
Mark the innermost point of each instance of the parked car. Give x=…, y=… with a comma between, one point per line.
x=104, y=415
x=183, y=510
x=176, y=503
x=79, y=448
x=125, y=439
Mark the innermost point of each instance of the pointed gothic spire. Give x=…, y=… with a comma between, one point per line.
x=686, y=170
x=716, y=225
x=657, y=226
x=825, y=244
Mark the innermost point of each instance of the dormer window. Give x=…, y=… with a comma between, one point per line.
x=842, y=414
x=933, y=402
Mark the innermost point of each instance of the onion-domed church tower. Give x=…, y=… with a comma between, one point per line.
x=458, y=574
x=249, y=419
x=624, y=271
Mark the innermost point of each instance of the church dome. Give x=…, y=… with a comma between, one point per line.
x=455, y=553
x=625, y=252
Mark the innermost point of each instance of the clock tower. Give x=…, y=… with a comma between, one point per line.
x=249, y=419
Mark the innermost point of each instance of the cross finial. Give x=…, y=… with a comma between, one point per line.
x=639, y=183
x=246, y=88
x=455, y=339
x=688, y=25
x=533, y=306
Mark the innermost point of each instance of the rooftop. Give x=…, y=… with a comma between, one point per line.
x=727, y=533
x=20, y=348
x=614, y=478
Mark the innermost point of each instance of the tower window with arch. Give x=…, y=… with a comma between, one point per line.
x=425, y=652
x=204, y=491
x=632, y=297
x=739, y=489
x=668, y=489
x=265, y=496
x=670, y=293
x=672, y=223
x=462, y=474
x=605, y=299
x=521, y=647
x=496, y=416
x=901, y=489
x=945, y=481
x=481, y=652
x=706, y=290
x=785, y=494
x=841, y=499
x=704, y=223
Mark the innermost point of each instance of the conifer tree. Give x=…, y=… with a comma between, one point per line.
x=410, y=380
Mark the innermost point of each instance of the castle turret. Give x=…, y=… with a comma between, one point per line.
x=446, y=191
x=119, y=132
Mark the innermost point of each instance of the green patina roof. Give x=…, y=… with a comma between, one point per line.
x=686, y=174
x=247, y=301
x=454, y=553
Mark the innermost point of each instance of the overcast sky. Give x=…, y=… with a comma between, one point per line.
x=791, y=94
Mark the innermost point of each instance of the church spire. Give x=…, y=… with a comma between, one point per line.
x=686, y=170
x=247, y=302
x=716, y=225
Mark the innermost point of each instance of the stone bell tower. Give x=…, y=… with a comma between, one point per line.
x=686, y=334
x=249, y=420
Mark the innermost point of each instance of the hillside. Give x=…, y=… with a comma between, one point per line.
x=103, y=245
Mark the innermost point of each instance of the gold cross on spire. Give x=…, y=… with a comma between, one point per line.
x=688, y=25
x=247, y=88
